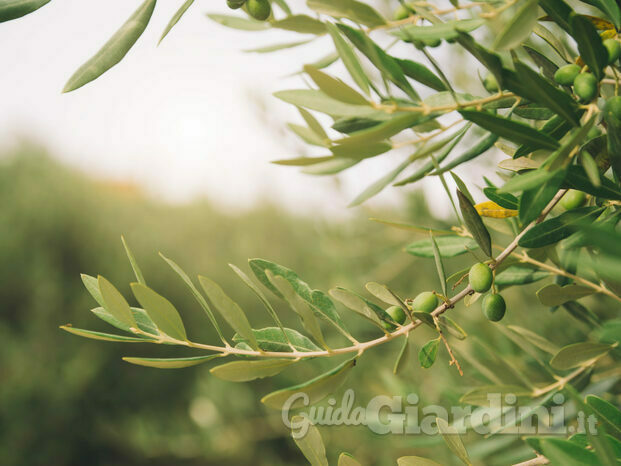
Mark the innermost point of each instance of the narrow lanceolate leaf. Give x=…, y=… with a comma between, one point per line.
x=442, y=31
x=319, y=302
x=299, y=305
x=590, y=46
x=277, y=47
x=143, y=321
x=313, y=124
x=577, y=178
x=321, y=102
x=273, y=339
x=480, y=147
x=92, y=286
x=493, y=210
x=229, y=309
x=377, y=186
x=114, y=50
x=171, y=363
x=561, y=451
x=351, y=9
x=428, y=353
x=134, y=264
x=526, y=181
x=382, y=293
x=238, y=22
x=607, y=412
x=345, y=459
x=176, y=17
x=103, y=336
x=384, y=130
x=449, y=246
x=474, y=224
x=404, y=356
x=416, y=461
x=13, y=9
x=302, y=24
x=578, y=354
x=348, y=57
x=257, y=291
x=531, y=337
x=197, y=295
x=612, y=10
x=453, y=440
x=519, y=27
x=387, y=64
x=161, y=311
x=555, y=295
x=310, y=444
x=421, y=73
x=479, y=396
x=519, y=275
x=316, y=389
x=511, y=130
x=361, y=305
x=115, y=303
x=244, y=371
x=439, y=265
x=558, y=228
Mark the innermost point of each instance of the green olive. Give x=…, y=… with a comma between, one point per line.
x=573, y=199
x=397, y=314
x=425, y=302
x=480, y=277
x=585, y=86
x=566, y=75
x=494, y=307
x=613, y=107
x=259, y=9
x=614, y=50
x=401, y=13
x=490, y=83
x=235, y=4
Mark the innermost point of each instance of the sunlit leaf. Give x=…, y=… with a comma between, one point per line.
x=171, y=363
x=578, y=354
x=244, y=371
x=310, y=444
x=160, y=310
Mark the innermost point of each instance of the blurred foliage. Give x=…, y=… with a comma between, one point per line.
x=66, y=401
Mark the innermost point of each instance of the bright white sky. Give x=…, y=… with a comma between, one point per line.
x=192, y=117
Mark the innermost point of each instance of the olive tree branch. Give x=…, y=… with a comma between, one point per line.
x=363, y=346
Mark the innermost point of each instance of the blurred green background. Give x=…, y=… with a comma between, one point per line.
x=70, y=401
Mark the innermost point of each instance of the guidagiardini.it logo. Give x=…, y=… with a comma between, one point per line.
x=399, y=415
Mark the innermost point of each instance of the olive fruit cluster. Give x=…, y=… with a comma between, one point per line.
x=425, y=302
x=481, y=278
x=258, y=9
x=585, y=83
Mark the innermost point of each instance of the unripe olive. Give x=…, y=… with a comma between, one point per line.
x=585, y=86
x=401, y=13
x=573, y=199
x=397, y=314
x=235, y=4
x=480, y=277
x=259, y=9
x=613, y=107
x=494, y=307
x=425, y=302
x=614, y=50
x=566, y=75
x=490, y=83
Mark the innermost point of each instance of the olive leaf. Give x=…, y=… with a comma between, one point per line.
x=171, y=363
x=416, y=461
x=160, y=310
x=175, y=19
x=578, y=354
x=448, y=246
x=403, y=357
x=474, y=224
x=519, y=27
x=133, y=262
x=555, y=295
x=310, y=444
x=104, y=336
x=13, y=9
x=115, y=303
x=244, y=371
x=372, y=312
x=114, y=50
x=315, y=389
x=453, y=440
x=349, y=59
x=428, y=353
x=277, y=339
x=143, y=321
x=345, y=459
x=351, y=9
x=237, y=22
x=229, y=309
